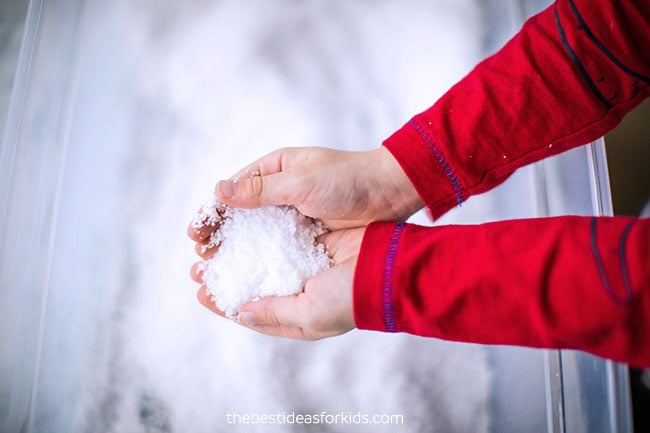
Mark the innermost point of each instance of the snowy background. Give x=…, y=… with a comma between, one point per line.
x=167, y=98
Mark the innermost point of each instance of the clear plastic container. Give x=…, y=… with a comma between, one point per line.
x=121, y=119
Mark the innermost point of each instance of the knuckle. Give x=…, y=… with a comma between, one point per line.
x=269, y=315
x=253, y=187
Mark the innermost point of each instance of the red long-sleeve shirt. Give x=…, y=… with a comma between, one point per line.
x=568, y=77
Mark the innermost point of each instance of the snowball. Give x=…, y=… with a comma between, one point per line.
x=270, y=251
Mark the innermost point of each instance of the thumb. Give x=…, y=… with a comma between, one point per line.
x=273, y=311
x=254, y=192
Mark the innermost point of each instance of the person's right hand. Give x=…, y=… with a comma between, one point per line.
x=323, y=309
x=343, y=189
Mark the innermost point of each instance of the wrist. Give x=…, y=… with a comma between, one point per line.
x=399, y=193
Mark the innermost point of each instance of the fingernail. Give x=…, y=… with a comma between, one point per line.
x=247, y=318
x=227, y=188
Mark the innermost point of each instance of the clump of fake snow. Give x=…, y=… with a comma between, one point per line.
x=270, y=251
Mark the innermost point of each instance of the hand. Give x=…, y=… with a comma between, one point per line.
x=323, y=309
x=343, y=189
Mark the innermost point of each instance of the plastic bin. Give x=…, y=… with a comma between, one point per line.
x=122, y=117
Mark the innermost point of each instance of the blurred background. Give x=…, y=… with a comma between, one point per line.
x=117, y=120
x=628, y=158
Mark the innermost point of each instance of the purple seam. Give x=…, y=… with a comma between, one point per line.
x=389, y=264
x=444, y=164
x=622, y=302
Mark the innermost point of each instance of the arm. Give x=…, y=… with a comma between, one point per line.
x=513, y=94
x=564, y=282
x=565, y=79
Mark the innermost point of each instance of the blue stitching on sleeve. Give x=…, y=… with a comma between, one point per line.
x=622, y=261
x=578, y=64
x=594, y=39
x=389, y=264
x=623, y=302
x=444, y=164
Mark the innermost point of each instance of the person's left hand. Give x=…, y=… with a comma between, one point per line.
x=322, y=309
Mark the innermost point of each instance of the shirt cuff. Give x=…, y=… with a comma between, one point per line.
x=373, y=299
x=425, y=163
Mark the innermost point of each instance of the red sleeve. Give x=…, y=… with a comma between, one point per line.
x=565, y=282
x=569, y=76
x=565, y=79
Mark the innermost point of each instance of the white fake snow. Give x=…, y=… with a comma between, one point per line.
x=270, y=251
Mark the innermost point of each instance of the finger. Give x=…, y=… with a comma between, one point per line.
x=342, y=244
x=266, y=165
x=197, y=271
x=264, y=182
x=258, y=191
x=206, y=249
x=206, y=300
x=201, y=226
x=271, y=311
x=270, y=319
x=199, y=232
x=294, y=332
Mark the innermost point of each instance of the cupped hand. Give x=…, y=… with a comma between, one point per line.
x=343, y=189
x=347, y=191
x=322, y=309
